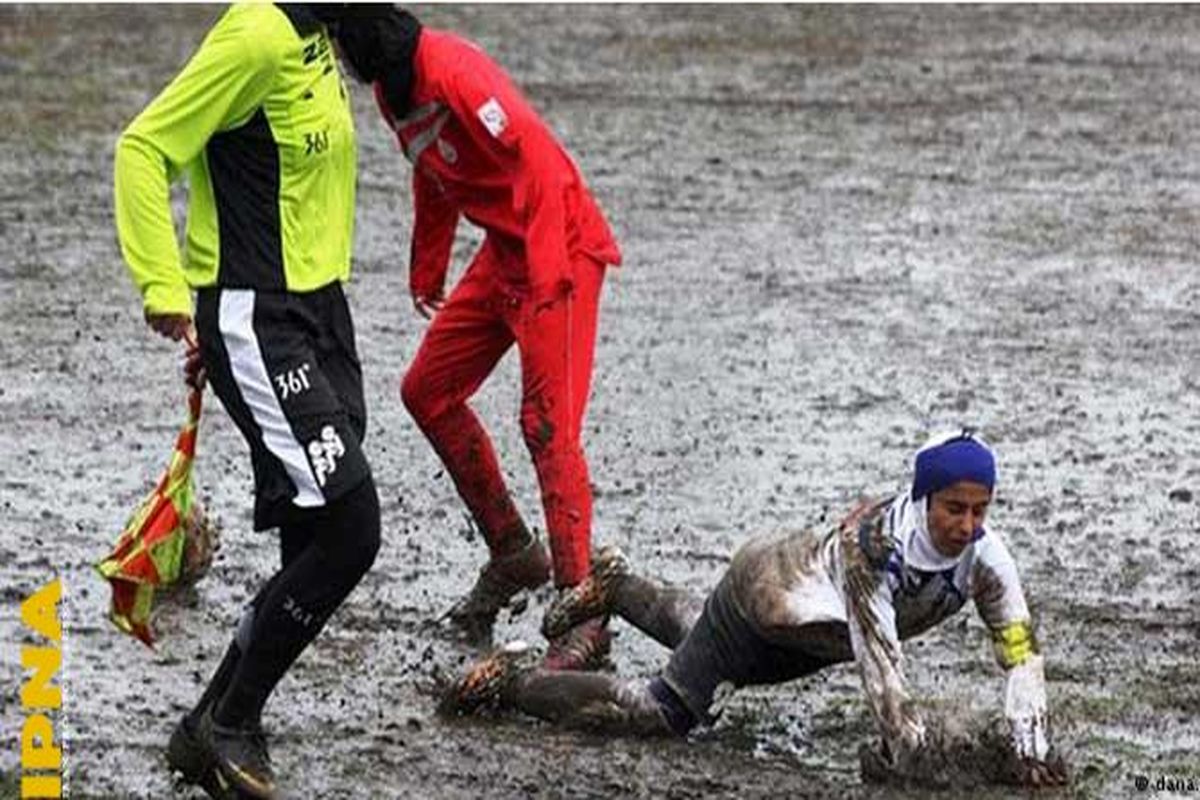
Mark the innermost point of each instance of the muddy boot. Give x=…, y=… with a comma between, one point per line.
x=593, y=597
x=486, y=679
x=583, y=647
x=499, y=581
x=193, y=761
x=242, y=763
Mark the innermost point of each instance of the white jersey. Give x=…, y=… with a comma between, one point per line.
x=855, y=592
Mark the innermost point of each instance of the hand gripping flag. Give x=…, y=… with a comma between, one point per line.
x=167, y=539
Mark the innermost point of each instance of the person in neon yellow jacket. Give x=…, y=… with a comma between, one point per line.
x=259, y=122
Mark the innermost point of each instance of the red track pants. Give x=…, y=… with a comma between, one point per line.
x=556, y=339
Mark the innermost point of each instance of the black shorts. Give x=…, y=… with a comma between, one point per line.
x=724, y=647
x=285, y=367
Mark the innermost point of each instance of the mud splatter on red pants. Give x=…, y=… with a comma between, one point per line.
x=555, y=337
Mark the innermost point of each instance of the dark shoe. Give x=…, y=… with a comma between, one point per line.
x=189, y=756
x=193, y=760
x=186, y=754
x=499, y=581
x=583, y=647
x=484, y=681
x=593, y=597
x=242, y=763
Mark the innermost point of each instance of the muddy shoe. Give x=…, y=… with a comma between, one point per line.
x=242, y=763
x=191, y=759
x=583, y=647
x=499, y=580
x=186, y=754
x=593, y=597
x=485, y=679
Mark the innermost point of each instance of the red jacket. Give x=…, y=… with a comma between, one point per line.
x=480, y=150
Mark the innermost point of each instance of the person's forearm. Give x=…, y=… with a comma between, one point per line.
x=145, y=228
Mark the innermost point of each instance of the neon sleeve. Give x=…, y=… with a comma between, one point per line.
x=218, y=89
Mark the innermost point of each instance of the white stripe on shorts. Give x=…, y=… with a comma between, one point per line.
x=236, y=322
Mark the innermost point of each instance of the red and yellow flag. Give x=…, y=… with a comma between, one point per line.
x=150, y=552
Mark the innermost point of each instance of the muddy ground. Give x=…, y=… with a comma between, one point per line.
x=843, y=227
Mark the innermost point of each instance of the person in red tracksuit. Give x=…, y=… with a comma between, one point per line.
x=480, y=151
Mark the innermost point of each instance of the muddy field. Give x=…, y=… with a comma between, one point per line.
x=843, y=227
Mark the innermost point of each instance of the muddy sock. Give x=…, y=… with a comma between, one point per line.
x=665, y=613
x=555, y=695
x=587, y=699
x=674, y=710
x=301, y=598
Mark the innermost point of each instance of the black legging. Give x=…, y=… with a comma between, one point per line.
x=325, y=553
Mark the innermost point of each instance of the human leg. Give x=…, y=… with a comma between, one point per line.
x=663, y=612
x=265, y=363
x=724, y=647
x=186, y=754
x=579, y=699
x=556, y=339
x=587, y=700
x=460, y=349
x=301, y=598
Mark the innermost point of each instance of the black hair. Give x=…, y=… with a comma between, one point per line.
x=380, y=42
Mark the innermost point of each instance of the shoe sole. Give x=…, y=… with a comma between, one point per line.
x=234, y=790
x=483, y=682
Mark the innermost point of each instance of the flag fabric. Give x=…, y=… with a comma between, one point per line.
x=152, y=552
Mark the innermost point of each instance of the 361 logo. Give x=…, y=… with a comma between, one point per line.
x=316, y=142
x=41, y=759
x=293, y=381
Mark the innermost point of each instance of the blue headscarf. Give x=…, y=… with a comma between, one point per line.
x=949, y=458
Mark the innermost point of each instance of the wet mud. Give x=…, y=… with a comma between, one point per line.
x=843, y=227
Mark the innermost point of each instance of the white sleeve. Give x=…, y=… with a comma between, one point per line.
x=996, y=586
x=871, y=618
x=1001, y=603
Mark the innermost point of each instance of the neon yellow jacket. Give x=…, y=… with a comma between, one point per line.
x=260, y=122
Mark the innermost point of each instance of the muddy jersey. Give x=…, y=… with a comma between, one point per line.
x=854, y=593
x=480, y=150
x=259, y=120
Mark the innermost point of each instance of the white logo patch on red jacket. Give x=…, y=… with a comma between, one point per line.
x=492, y=115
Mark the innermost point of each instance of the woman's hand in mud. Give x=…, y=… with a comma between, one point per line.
x=428, y=303
x=172, y=326
x=1039, y=774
